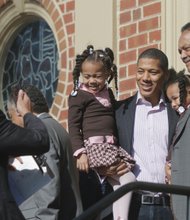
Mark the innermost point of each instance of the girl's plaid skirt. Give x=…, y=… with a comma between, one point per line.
x=106, y=154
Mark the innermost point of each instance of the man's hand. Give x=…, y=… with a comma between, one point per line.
x=168, y=172
x=82, y=163
x=122, y=168
x=118, y=169
x=23, y=103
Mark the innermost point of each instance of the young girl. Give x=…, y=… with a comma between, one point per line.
x=178, y=93
x=178, y=90
x=92, y=125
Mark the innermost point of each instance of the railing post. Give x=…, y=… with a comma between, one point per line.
x=134, y=186
x=187, y=215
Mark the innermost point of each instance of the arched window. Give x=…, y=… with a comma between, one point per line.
x=32, y=59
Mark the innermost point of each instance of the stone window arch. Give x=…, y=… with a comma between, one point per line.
x=14, y=25
x=32, y=59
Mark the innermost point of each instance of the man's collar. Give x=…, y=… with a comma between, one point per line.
x=38, y=115
x=141, y=100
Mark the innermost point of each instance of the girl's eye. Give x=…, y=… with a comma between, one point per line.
x=86, y=77
x=98, y=76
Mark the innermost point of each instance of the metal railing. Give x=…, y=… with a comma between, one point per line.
x=92, y=212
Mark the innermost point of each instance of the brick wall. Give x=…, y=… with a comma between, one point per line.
x=139, y=28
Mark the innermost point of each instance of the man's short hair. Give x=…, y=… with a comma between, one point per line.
x=154, y=53
x=186, y=27
x=39, y=103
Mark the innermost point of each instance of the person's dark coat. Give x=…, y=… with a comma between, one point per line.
x=14, y=141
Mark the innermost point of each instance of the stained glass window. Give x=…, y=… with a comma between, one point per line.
x=32, y=59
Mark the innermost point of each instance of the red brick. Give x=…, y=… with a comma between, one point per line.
x=132, y=69
x=46, y=3
x=126, y=4
x=70, y=6
x=69, y=89
x=62, y=45
x=70, y=29
x=61, y=35
x=62, y=76
x=54, y=110
x=71, y=41
x=70, y=64
x=63, y=60
x=122, y=45
x=141, y=2
x=140, y=50
x=58, y=24
x=68, y=18
x=122, y=72
x=127, y=57
x=62, y=7
x=127, y=30
x=125, y=17
x=51, y=8
x=58, y=100
x=148, y=24
x=70, y=77
x=65, y=102
x=60, y=87
x=71, y=52
x=55, y=15
x=136, y=14
x=128, y=84
x=155, y=36
x=63, y=115
x=137, y=41
x=152, y=9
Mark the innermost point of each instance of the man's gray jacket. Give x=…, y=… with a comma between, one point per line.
x=59, y=199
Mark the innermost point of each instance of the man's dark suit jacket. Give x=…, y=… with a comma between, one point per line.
x=15, y=140
x=180, y=166
x=125, y=117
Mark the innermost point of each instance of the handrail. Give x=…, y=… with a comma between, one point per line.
x=113, y=196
